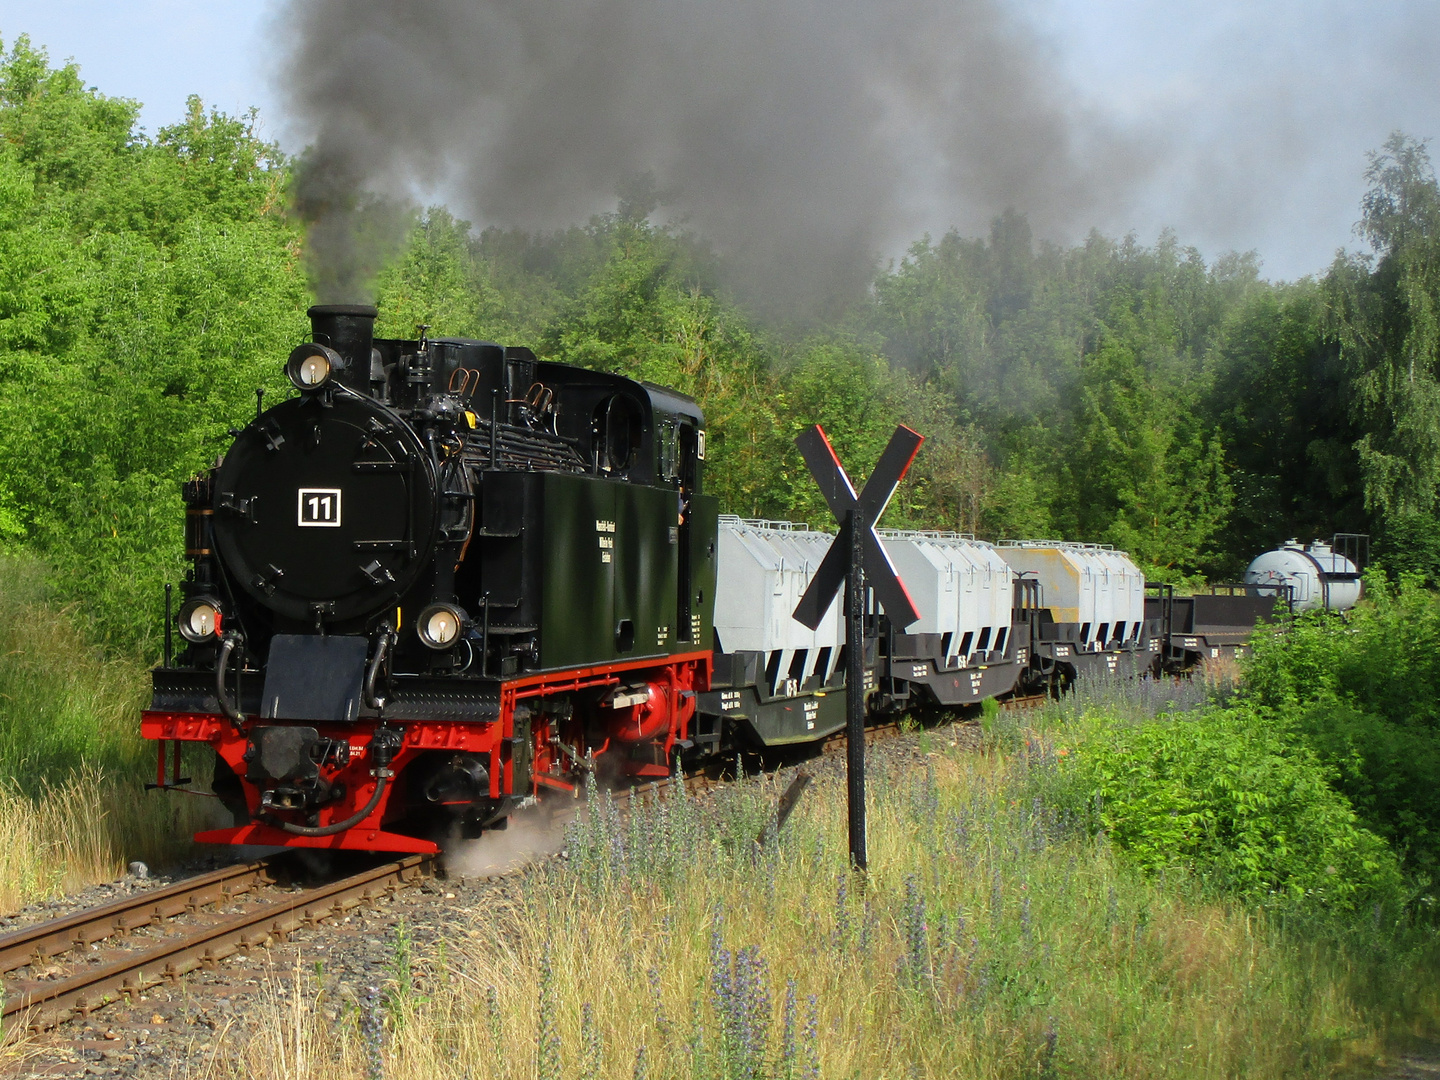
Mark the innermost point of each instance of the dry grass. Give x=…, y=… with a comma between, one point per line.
x=991, y=941
x=73, y=809
x=85, y=829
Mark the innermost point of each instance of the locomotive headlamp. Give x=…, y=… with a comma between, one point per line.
x=439, y=625
x=200, y=620
x=311, y=366
x=313, y=370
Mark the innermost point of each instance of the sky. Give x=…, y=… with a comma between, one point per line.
x=1261, y=111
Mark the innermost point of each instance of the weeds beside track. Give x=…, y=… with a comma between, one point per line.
x=992, y=938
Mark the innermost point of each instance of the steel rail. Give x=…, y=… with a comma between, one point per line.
x=1025, y=701
x=35, y=944
x=874, y=733
x=48, y=1004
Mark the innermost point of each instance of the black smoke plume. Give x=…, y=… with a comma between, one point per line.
x=801, y=137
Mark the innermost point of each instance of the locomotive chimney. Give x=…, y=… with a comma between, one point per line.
x=349, y=329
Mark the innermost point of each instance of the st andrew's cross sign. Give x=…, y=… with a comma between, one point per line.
x=856, y=559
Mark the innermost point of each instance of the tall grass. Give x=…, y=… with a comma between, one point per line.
x=993, y=937
x=73, y=809
x=63, y=704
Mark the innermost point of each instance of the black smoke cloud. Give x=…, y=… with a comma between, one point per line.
x=801, y=137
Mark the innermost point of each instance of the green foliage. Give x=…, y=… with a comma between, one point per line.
x=1364, y=694
x=1410, y=548
x=1232, y=796
x=1081, y=374
x=1192, y=414
x=1143, y=474
x=1384, y=315
x=437, y=281
x=146, y=289
x=1281, y=402
x=63, y=707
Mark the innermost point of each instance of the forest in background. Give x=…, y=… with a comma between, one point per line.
x=1193, y=414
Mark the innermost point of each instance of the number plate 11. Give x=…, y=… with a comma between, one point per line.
x=319, y=507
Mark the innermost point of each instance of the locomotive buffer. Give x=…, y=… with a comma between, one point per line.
x=856, y=559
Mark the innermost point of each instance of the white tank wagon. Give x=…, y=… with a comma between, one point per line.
x=1085, y=604
x=1314, y=578
x=963, y=648
x=784, y=679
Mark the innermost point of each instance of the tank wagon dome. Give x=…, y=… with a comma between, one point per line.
x=1318, y=578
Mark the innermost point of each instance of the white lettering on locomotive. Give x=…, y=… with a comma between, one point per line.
x=606, y=538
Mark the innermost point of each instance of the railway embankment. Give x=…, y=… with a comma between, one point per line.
x=1143, y=878
x=1004, y=930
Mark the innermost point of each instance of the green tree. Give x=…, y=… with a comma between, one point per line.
x=1142, y=473
x=147, y=287
x=1388, y=327
x=437, y=280
x=1281, y=399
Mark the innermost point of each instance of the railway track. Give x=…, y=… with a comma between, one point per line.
x=75, y=965
x=1024, y=701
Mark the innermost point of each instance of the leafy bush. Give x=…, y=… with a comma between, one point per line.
x=1410, y=547
x=1364, y=695
x=1230, y=795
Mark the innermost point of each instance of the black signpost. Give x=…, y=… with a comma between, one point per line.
x=856, y=559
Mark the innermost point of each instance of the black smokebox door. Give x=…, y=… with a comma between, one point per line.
x=310, y=677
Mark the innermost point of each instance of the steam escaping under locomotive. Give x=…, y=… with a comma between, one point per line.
x=447, y=578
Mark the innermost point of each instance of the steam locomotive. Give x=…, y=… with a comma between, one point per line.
x=447, y=578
